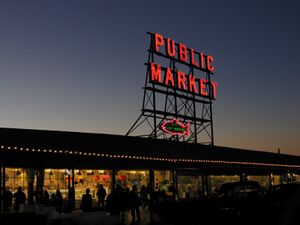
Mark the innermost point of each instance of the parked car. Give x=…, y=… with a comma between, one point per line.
x=239, y=194
x=281, y=194
x=241, y=201
x=239, y=189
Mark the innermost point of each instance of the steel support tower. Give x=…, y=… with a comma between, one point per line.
x=161, y=103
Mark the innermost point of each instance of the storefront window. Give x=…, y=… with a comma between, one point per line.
x=19, y=177
x=164, y=181
x=264, y=181
x=91, y=179
x=190, y=187
x=128, y=178
x=217, y=181
x=275, y=179
x=56, y=179
x=297, y=178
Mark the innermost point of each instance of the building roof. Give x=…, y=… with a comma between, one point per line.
x=62, y=149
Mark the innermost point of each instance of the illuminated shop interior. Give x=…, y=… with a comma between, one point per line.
x=188, y=186
x=182, y=170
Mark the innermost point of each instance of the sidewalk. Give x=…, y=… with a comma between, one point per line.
x=102, y=218
x=77, y=217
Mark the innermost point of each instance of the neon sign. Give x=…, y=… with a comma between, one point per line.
x=179, y=80
x=184, y=55
x=174, y=127
x=179, y=84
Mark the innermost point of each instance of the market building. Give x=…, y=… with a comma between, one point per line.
x=39, y=159
x=176, y=154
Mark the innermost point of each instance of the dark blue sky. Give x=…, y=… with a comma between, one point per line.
x=79, y=65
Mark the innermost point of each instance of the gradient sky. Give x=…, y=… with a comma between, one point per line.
x=79, y=65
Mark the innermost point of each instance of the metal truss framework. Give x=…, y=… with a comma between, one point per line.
x=161, y=103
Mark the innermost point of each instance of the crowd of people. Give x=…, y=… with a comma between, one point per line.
x=121, y=200
x=18, y=198
x=132, y=200
x=117, y=202
x=12, y=202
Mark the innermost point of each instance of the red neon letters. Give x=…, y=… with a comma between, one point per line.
x=185, y=82
x=158, y=41
x=171, y=50
x=185, y=55
x=178, y=79
x=155, y=73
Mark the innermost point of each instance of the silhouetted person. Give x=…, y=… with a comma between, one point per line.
x=164, y=196
x=46, y=199
x=71, y=198
x=86, y=201
x=101, y=194
x=151, y=200
x=173, y=189
x=124, y=198
x=38, y=194
x=116, y=196
x=134, y=204
x=7, y=200
x=188, y=192
x=156, y=197
x=20, y=198
x=144, y=194
x=53, y=200
x=58, y=201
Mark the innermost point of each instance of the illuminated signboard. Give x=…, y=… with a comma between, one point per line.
x=178, y=94
x=178, y=79
x=174, y=127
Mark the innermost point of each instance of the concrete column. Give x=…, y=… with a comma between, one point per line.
x=151, y=201
x=203, y=185
x=40, y=180
x=1, y=191
x=71, y=190
x=113, y=179
x=271, y=180
x=30, y=182
x=207, y=185
x=175, y=184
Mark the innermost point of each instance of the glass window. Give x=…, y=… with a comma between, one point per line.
x=190, y=187
x=128, y=178
x=56, y=179
x=19, y=177
x=91, y=179
x=264, y=181
x=297, y=178
x=275, y=179
x=163, y=180
x=218, y=180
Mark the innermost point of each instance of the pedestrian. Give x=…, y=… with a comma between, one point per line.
x=134, y=205
x=71, y=199
x=86, y=201
x=38, y=194
x=144, y=193
x=46, y=199
x=7, y=200
x=53, y=200
x=124, y=196
x=58, y=201
x=20, y=198
x=101, y=194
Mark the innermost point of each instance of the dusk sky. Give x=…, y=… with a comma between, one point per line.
x=79, y=65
